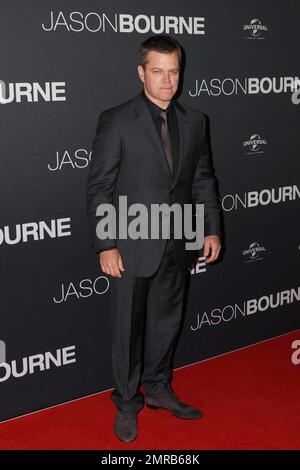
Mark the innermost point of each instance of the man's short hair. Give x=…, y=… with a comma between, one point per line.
x=159, y=43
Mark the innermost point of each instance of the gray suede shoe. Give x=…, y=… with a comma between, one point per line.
x=169, y=401
x=125, y=426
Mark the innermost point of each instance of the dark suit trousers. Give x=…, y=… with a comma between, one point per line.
x=146, y=315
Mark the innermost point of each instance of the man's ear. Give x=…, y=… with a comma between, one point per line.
x=141, y=72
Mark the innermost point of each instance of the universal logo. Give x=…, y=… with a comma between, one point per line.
x=255, y=145
x=254, y=252
x=255, y=30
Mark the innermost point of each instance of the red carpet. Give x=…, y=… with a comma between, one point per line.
x=250, y=399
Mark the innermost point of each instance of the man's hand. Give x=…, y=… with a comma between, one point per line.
x=111, y=262
x=213, y=243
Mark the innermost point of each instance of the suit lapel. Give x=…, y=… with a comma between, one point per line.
x=183, y=139
x=147, y=126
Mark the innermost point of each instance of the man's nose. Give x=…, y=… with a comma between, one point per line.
x=166, y=77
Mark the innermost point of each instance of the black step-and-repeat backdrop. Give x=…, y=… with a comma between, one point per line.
x=62, y=63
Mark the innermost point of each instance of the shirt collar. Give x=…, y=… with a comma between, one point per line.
x=155, y=110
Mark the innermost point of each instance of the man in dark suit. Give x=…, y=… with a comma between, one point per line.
x=153, y=150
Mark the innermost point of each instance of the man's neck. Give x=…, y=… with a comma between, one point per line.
x=160, y=103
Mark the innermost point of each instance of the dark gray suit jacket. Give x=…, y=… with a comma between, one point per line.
x=128, y=159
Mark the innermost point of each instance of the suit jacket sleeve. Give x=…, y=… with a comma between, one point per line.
x=103, y=171
x=204, y=189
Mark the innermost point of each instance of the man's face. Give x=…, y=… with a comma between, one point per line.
x=160, y=76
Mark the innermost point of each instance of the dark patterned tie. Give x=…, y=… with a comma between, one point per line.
x=166, y=139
